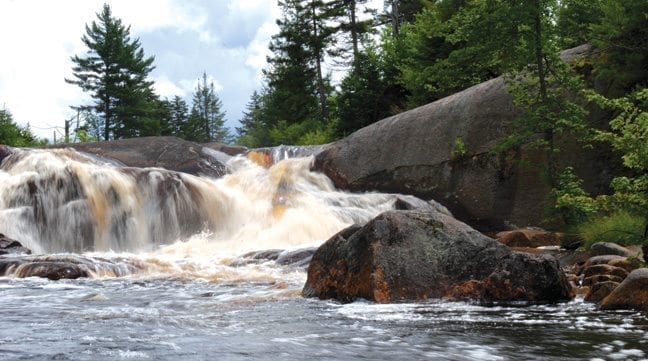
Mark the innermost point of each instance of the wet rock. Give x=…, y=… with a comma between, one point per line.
x=299, y=258
x=604, y=269
x=11, y=246
x=163, y=152
x=53, y=270
x=600, y=290
x=632, y=293
x=528, y=237
x=5, y=151
x=598, y=278
x=416, y=255
x=64, y=266
x=608, y=248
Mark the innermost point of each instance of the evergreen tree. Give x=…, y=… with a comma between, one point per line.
x=363, y=97
x=207, y=119
x=291, y=85
x=114, y=72
x=15, y=135
x=175, y=117
x=253, y=132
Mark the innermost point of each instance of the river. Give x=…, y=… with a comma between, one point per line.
x=179, y=288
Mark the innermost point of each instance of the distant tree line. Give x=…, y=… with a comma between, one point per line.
x=115, y=71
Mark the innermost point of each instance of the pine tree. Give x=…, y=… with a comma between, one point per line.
x=114, y=72
x=175, y=117
x=291, y=85
x=207, y=119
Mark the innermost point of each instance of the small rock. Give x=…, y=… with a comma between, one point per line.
x=600, y=290
x=605, y=269
x=528, y=237
x=605, y=259
x=608, y=248
x=593, y=280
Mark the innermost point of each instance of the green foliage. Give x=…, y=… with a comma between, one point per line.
x=309, y=132
x=571, y=202
x=362, y=96
x=620, y=227
x=575, y=19
x=15, y=135
x=460, y=150
x=114, y=72
x=628, y=135
x=621, y=39
x=206, y=122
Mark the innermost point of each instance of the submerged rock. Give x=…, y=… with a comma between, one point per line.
x=416, y=255
x=632, y=293
x=64, y=266
x=11, y=246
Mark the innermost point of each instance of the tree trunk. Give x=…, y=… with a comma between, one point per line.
x=318, y=62
x=354, y=29
x=395, y=17
x=539, y=55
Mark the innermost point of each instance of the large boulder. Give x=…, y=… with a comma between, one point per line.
x=163, y=152
x=416, y=255
x=631, y=294
x=416, y=153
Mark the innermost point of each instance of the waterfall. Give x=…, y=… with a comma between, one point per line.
x=65, y=201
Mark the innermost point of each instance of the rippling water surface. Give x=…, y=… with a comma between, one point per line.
x=180, y=297
x=170, y=319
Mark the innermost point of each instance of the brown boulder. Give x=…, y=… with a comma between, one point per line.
x=632, y=293
x=605, y=269
x=56, y=267
x=416, y=255
x=528, y=237
x=600, y=290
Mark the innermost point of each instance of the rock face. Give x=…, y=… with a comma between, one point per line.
x=416, y=255
x=164, y=152
x=414, y=153
x=632, y=293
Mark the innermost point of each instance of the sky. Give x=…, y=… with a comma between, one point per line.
x=227, y=39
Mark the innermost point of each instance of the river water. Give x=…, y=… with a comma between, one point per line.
x=185, y=292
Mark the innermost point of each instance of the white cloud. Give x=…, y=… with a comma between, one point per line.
x=39, y=36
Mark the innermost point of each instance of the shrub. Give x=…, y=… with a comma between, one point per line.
x=620, y=227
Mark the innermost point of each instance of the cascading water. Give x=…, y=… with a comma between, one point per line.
x=184, y=267
x=63, y=201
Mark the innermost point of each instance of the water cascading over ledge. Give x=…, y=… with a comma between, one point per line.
x=60, y=200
